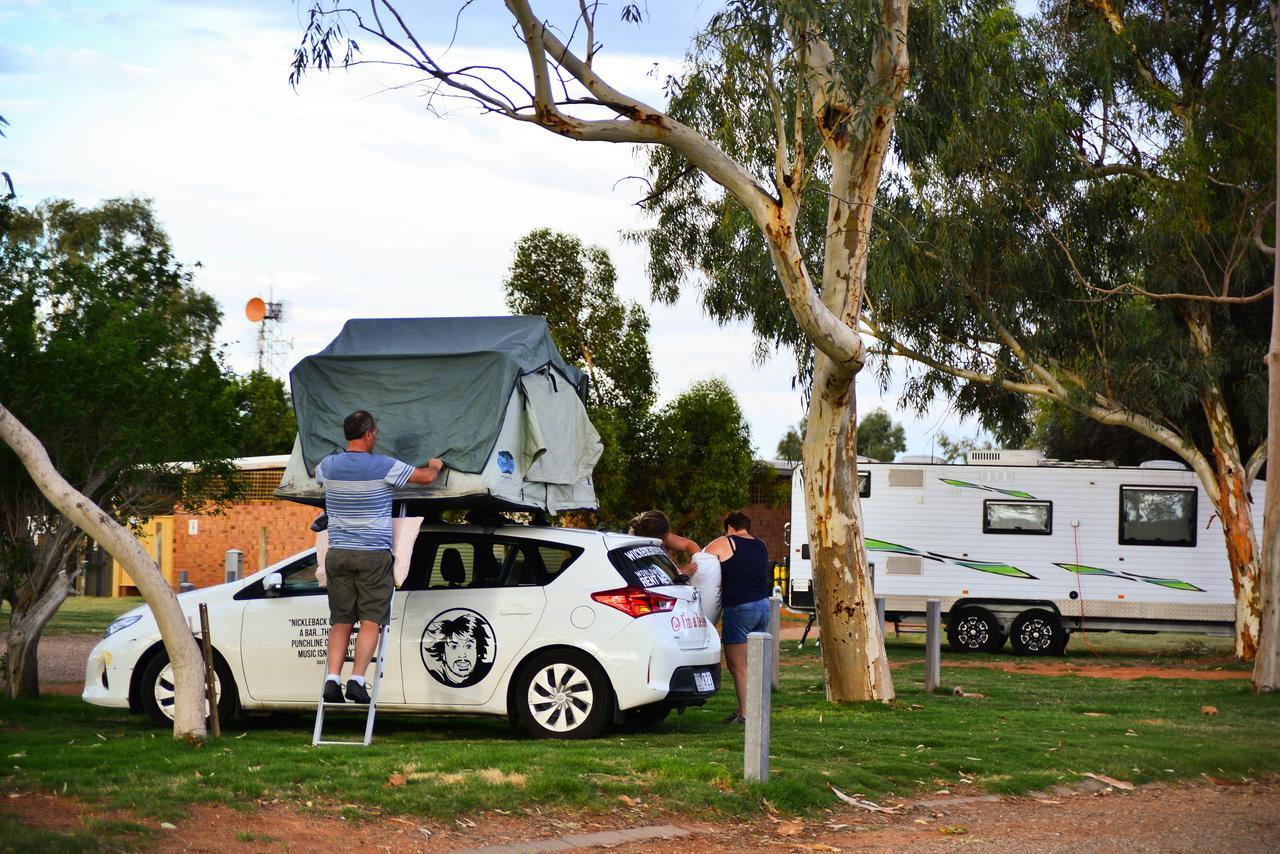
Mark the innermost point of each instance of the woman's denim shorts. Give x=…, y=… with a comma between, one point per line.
x=742, y=620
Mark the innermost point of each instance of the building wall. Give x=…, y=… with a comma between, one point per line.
x=278, y=528
x=156, y=537
x=767, y=524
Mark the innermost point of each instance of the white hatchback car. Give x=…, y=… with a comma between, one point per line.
x=562, y=630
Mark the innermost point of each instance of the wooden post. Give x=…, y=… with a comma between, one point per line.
x=262, y=547
x=210, y=685
x=755, y=748
x=933, y=645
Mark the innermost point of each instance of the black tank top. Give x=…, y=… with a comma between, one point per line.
x=745, y=576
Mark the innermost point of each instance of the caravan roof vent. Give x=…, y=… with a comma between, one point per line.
x=920, y=460
x=1165, y=465
x=1005, y=457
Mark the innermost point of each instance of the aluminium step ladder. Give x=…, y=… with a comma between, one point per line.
x=379, y=659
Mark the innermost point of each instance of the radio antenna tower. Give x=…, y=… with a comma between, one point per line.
x=270, y=344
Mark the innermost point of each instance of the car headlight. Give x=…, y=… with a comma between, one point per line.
x=123, y=623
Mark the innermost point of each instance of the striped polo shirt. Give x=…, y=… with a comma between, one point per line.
x=357, y=496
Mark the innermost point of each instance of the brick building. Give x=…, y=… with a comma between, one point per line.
x=770, y=509
x=192, y=547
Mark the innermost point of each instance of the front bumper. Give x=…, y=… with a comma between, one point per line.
x=107, y=672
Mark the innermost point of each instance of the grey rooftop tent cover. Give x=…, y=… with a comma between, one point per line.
x=491, y=396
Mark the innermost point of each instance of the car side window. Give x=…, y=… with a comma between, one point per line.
x=452, y=567
x=297, y=579
x=300, y=578
x=555, y=559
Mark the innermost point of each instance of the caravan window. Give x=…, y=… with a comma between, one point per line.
x=1017, y=517
x=1157, y=516
x=864, y=484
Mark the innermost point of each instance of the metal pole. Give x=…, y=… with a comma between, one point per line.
x=211, y=692
x=775, y=631
x=933, y=645
x=755, y=749
x=880, y=612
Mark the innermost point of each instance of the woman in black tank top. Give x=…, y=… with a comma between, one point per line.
x=746, y=586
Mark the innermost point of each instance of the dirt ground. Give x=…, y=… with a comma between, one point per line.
x=1213, y=814
x=1195, y=817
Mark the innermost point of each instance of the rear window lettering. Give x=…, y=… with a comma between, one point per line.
x=648, y=566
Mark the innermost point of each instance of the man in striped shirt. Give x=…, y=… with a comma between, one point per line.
x=358, y=487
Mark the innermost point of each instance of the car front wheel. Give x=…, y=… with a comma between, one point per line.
x=157, y=690
x=563, y=694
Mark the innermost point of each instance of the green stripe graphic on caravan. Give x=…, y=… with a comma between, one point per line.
x=964, y=484
x=1171, y=583
x=994, y=567
x=894, y=548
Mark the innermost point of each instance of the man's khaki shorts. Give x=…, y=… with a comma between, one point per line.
x=360, y=584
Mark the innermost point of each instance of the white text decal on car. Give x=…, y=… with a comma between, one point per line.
x=651, y=577
x=645, y=551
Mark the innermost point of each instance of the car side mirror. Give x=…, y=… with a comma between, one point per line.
x=272, y=584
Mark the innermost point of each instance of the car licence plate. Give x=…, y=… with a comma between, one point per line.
x=702, y=681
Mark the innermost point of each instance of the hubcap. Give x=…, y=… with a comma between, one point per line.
x=164, y=691
x=973, y=632
x=560, y=697
x=1036, y=635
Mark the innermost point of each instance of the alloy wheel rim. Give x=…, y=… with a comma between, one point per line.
x=973, y=632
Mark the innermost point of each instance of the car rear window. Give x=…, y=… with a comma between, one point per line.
x=646, y=566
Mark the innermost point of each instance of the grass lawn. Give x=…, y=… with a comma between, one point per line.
x=1027, y=733
x=81, y=615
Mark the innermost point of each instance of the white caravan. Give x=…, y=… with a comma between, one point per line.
x=1029, y=549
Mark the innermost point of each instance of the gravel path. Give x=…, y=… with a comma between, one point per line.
x=62, y=657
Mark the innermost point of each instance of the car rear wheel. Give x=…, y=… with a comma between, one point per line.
x=974, y=629
x=157, y=691
x=563, y=694
x=1038, y=632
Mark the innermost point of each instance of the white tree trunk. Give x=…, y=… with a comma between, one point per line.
x=853, y=655
x=1266, y=667
x=188, y=664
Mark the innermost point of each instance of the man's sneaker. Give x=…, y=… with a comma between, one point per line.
x=735, y=718
x=356, y=692
x=332, y=692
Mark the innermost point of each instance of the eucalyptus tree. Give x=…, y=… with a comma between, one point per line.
x=828, y=77
x=106, y=354
x=1077, y=225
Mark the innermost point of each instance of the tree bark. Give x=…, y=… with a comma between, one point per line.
x=22, y=672
x=180, y=643
x=1230, y=496
x=853, y=655
x=1266, y=667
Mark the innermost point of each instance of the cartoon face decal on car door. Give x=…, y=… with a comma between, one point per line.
x=458, y=647
x=472, y=604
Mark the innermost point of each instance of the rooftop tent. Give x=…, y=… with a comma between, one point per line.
x=491, y=396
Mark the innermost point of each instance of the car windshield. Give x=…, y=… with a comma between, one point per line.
x=646, y=566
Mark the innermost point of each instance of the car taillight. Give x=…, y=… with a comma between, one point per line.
x=635, y=601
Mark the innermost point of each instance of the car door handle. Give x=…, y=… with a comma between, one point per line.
x=514, y=611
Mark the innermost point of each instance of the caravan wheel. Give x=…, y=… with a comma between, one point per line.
x=1038, y=632
x=974, y=629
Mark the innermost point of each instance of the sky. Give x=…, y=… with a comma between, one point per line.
x=348, y=198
